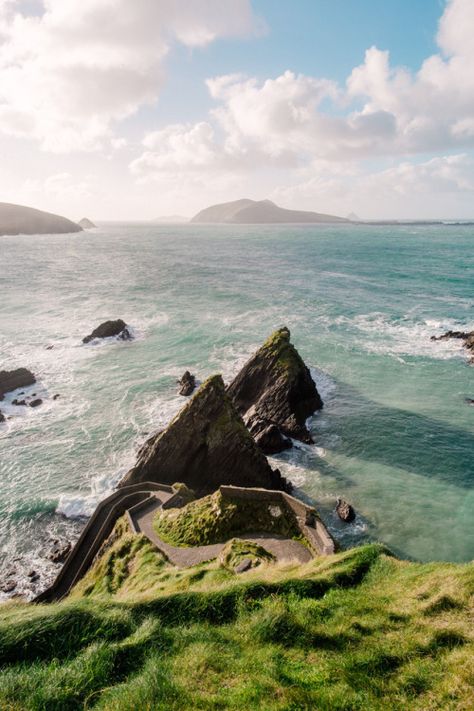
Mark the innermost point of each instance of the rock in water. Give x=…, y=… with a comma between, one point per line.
x=466, y=336
x=345, y=511
x=86, y=224
x=13, y=379
x=276, y=388
x=59, y=551
x=187, y=383
x=110, y=328
x=2, y=417
x=206, y=445
x=270, y=439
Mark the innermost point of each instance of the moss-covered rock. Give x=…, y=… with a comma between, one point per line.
x=217, y=518
x=276, y=388
x=206, y=445
x=237, y=551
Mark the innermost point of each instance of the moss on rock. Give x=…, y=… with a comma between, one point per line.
x=218, y=518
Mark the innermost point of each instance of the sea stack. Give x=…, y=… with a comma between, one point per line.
x=187, y=383
x=206, y=445
x=108, y=329
x=275, y=389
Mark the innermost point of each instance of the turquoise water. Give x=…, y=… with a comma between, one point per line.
x=395, y=437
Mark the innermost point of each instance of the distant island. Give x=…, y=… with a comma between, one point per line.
x=20, y=220
x=252, y=212
x=86, y=224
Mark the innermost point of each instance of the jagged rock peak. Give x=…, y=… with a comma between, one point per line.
x=205, y=445
x=276, y=388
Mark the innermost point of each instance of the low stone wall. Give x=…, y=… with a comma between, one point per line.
x=131, y=498
x=310, y=525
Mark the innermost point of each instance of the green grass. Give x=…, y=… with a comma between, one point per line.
x=217, y=518
x=357, y=630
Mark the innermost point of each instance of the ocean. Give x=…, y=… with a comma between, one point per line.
x=396, y=435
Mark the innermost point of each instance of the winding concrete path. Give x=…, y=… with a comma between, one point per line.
x=282, y=548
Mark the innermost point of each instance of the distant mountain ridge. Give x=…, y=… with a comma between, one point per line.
x=250, y=212
x=20, y=220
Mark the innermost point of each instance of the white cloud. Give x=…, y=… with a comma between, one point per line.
x=294, y=126
x=382, y=111
x=68, y=73
x=438, y=187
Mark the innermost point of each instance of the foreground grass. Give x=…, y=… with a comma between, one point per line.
x=358, y=630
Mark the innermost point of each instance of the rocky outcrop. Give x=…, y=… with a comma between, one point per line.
x=345, y=511
x=13, y=379
x=20, y=220
x=86, y=224
x=108, y=329
x=206, y=445
x=276, y=388
x=466, y=336
x=187, y=383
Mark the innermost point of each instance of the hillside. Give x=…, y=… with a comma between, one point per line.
x=259, y=212
x=356, y=630
x=17, y=219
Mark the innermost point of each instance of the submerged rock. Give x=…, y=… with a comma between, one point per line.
x=12, y=379
x=187, y=383
x=466, y=336
x=206, y=445
x=110, y=328
x=345, y=511
x=276, y=388
x=36, y=403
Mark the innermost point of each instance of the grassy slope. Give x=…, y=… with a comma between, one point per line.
x=216, y=519
x=358, y=630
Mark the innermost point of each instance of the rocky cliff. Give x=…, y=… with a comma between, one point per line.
x=275, y=388
x=206, y=445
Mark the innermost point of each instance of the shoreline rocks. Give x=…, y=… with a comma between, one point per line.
x=466, y=336
x=13, y=379
x=206, y=445
x=107, y=329
x=275, y=388
x=187, y=384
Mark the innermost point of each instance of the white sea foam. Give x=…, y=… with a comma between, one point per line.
x=405, y=336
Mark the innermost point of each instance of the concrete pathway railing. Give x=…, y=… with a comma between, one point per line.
x=97, y=529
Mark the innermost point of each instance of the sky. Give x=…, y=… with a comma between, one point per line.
x=121, y=110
